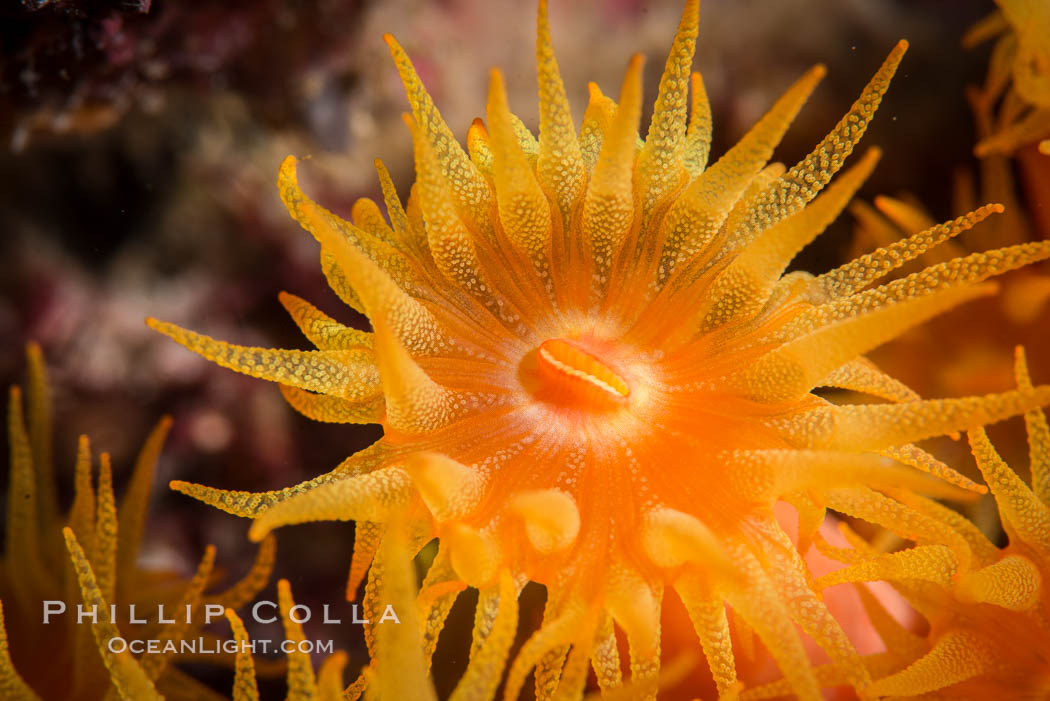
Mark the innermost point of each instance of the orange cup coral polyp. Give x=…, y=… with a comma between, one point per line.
x=989, y=632
x=593, y=372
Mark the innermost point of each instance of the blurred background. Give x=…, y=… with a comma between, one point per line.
x=139, y=146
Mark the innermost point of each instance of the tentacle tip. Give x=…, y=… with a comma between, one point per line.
x=180, y=486
x=819, y=70
x=901, y=47
x=258, y=531
x=287, y=174
x=70, y=538
x=390, y=41
x=881, y=202
x=497, y=88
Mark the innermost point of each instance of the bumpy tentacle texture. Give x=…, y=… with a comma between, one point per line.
x=988, y=608
x=303, y=683
x=93, y=561
x=1016, y=84
x=593, y=373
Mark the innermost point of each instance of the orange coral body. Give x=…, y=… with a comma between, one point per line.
x=593, y=373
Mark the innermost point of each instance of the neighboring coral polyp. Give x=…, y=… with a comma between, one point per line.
x=90, y=555
x=987, y=607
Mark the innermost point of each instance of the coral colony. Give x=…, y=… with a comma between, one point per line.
x=103, y=540
x=593, y=372
x=1019, y=75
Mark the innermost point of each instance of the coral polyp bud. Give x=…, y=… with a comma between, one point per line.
x=475, y=554
x=448, y=487
x=551, y=518
x=672, y=538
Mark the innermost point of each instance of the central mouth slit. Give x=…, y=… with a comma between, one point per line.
x=567, y=369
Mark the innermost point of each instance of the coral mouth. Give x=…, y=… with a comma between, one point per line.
x=566, y=372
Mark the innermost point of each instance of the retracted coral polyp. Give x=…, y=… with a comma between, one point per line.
x=594, y=372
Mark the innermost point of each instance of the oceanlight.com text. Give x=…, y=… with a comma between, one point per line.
x=204, y=646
